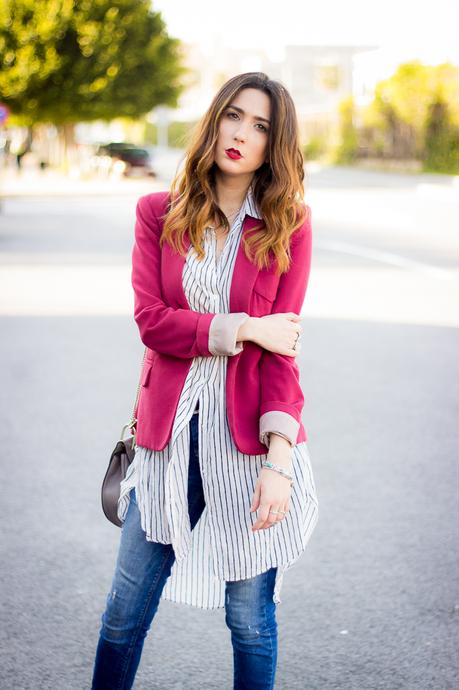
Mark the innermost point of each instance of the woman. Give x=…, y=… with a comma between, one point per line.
x=220, y=498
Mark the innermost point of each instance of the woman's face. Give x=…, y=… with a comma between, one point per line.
x=244, y=127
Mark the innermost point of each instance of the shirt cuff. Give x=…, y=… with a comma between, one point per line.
x=223, y=332
x=280, y=423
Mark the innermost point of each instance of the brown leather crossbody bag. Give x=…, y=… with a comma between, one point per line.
x=120, y=459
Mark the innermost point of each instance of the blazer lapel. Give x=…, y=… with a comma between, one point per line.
x=244, y=274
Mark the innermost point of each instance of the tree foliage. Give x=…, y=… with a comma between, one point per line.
x=64, y=61
x=404, y=103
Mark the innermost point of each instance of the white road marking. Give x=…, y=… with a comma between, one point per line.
x=385, y=258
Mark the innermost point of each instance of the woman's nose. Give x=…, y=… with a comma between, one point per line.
x=240, y=134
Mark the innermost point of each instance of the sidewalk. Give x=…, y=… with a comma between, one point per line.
x=53, y=183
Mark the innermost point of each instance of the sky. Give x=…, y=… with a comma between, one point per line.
x=405, y=28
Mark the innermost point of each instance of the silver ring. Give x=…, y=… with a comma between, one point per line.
x=277, y=512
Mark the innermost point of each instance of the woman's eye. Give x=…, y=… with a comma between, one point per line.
x=263, y=128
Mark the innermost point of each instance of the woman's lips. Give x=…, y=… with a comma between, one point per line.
x=232, y=153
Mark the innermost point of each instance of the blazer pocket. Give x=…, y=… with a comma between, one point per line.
x=145, y=377
x=266, y=286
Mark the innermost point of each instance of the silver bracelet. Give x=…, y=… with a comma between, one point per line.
x=277, y=468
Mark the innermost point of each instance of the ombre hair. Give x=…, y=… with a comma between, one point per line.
x=277, y=184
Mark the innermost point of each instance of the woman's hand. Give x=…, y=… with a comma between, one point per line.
x=278, y=332
x=272, y=490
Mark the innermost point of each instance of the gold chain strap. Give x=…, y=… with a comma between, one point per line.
x=133, y=421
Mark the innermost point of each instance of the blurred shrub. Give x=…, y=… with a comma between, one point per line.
x=441, y=149
x=346, y=150
x=151, y=133
x=315, y=148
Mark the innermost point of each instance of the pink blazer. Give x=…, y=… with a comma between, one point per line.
x=263, y=389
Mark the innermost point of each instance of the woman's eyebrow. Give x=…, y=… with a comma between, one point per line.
x=255, y=117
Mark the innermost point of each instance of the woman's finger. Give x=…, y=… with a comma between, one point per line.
x=262, y=517
x=256, y=498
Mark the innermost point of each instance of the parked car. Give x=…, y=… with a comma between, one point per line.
x=125, y=159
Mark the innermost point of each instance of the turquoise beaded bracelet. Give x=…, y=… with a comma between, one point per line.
x=277, y=468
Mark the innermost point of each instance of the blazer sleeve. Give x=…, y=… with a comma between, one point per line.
x=178, y=332
x=282, y=398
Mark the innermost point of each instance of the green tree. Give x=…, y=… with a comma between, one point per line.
x=64, y=61
x=404, y=104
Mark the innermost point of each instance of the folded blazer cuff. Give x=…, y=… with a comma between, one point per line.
x=223, y=333
x=280, y=423
x=202, y=333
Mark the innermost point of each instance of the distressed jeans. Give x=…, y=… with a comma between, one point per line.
x=141, y=571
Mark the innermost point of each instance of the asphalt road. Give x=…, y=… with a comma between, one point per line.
x=373, y=604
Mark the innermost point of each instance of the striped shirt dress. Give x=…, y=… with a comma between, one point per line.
x=222, y=545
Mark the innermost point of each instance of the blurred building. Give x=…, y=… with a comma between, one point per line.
x=318, y=77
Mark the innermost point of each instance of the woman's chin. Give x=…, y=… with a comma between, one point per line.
x=231, y=170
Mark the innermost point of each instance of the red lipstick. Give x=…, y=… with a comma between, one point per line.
x=233, y=153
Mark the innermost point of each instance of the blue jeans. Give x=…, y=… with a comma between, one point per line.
x=141, y=571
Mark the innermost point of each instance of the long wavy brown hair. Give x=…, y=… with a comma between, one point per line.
x=277, y=184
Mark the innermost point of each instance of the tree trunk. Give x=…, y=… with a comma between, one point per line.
x=67, y=144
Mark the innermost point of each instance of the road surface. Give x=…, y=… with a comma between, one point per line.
x=373, y=604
